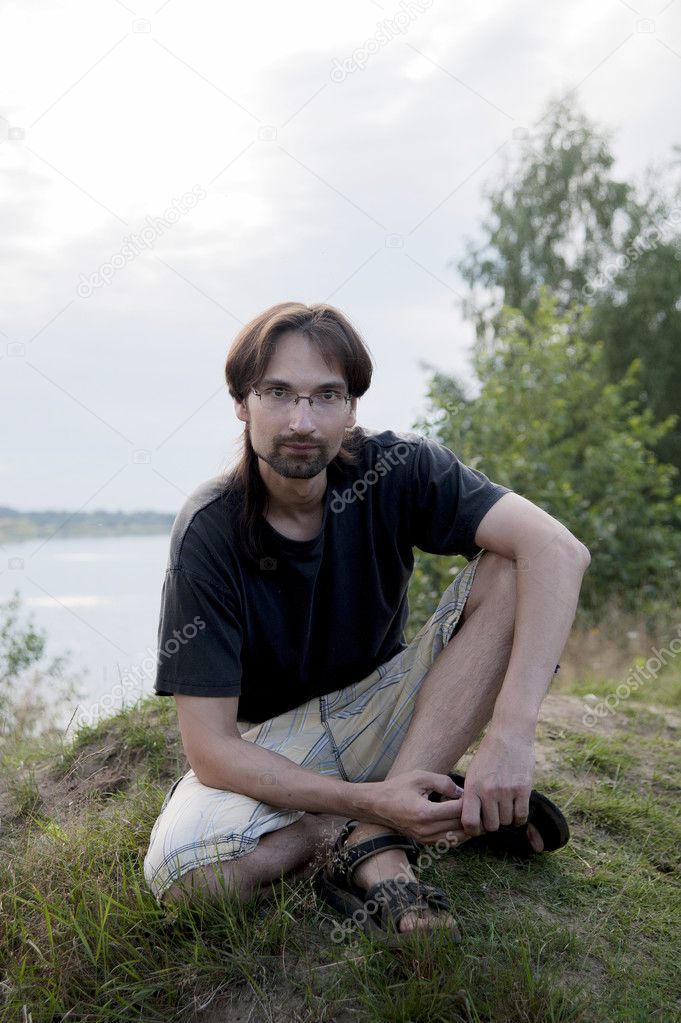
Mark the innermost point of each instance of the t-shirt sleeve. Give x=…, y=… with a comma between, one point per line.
x=449, y=499
x=199, y=639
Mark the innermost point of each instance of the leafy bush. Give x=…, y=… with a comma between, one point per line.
x=549, y=425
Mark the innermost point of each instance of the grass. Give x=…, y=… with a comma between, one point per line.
x=587, y=935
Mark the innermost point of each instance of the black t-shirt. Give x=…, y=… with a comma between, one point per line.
x=315, y=615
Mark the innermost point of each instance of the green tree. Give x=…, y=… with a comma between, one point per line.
x=638, y=313
x=563, y=220
x=552, y=222
x=551, y=426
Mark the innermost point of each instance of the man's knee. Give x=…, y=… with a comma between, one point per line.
x=228, y=878
x=283, y=850
x=495, y=580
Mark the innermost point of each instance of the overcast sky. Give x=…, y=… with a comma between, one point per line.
x=290, y=172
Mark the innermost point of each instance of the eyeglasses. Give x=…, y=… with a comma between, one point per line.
x=326, y=402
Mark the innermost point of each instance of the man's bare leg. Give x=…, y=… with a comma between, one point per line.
x=293, y=851
x=454, y=703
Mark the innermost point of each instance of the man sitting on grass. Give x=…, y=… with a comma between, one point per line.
x=281, y=638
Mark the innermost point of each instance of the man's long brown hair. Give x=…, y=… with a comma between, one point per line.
x=337, y=341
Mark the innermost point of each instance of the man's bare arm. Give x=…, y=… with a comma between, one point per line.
x=550, y=564
x=221, y=759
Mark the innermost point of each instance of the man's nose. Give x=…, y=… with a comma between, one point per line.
x=301, y=416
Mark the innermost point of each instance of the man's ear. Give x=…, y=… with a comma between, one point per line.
x=241, y=410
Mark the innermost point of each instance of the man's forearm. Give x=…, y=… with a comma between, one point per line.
x=240, y=766
x=548, y=582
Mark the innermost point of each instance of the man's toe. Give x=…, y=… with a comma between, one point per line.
x=534, y=836
x=426, y=920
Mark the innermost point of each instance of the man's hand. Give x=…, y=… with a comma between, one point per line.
x=498, y=783
x=401, y=803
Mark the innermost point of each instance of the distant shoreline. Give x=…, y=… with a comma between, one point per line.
x=16, y=526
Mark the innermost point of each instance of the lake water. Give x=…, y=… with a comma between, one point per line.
x=98, y=599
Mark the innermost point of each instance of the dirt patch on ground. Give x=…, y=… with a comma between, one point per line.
x=103, y=767
x=562, y=715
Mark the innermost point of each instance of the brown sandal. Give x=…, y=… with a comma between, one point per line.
x=378, y=910
x=513, y=840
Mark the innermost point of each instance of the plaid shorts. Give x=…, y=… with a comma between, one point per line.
x=353, y=733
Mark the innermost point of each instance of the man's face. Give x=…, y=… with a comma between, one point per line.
x=297, y=365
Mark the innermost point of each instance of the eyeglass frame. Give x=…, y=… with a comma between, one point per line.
x=310, y=397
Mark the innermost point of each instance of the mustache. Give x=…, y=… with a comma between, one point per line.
x=303, y=443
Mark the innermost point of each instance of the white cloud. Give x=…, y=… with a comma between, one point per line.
x=118, y=122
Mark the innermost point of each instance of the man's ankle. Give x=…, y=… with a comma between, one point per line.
x=368, y=829
x=387, y=864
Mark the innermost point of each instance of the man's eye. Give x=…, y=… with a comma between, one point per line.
x=329, y=395
x=274, y=390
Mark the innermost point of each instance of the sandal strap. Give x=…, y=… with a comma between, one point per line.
x=344, y=860
x=396, y=896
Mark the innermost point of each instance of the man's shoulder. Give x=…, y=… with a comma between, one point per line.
x=385, y=441
x=201, y=519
